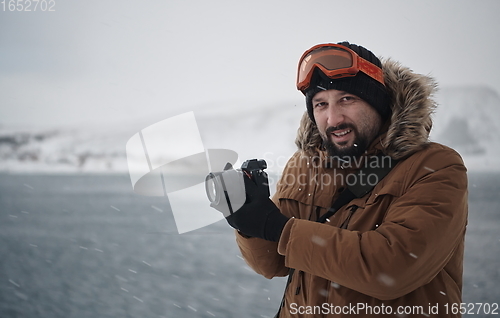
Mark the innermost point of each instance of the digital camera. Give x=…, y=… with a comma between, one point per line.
x=226, y=189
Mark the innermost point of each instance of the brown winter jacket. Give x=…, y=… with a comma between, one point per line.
x=397, y=251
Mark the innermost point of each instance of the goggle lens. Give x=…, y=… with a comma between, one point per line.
x=335, y=61
x=330, y=57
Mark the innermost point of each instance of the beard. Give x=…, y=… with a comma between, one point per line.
x=359, y=146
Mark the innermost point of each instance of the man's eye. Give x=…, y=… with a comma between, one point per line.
x=320, y=105
x=348, y=99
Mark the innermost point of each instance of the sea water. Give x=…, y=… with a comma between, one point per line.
x=87, y=246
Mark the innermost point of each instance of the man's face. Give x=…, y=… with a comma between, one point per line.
x=346, y=123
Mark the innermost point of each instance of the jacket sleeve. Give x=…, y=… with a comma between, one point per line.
x=420, y=232
x=261, y=255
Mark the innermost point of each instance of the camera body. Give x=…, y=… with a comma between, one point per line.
x=226, y=189
x=255, y=170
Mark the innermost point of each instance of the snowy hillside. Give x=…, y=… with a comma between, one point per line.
x=268, y=132
x=467, y=119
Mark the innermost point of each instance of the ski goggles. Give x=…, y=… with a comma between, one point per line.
x=335, y=61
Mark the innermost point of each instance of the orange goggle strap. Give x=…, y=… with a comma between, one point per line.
x=357, y=64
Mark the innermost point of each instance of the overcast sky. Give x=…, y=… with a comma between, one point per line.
x=101, y=62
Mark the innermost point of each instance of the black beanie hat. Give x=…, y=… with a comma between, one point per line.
x=361, y=85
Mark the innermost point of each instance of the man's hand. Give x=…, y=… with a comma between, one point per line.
x=259, y=216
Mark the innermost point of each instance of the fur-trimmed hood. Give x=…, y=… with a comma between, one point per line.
x=409, y=126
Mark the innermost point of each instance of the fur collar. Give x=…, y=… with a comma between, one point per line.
x=409, y=126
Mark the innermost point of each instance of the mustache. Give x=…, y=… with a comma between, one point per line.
x=331, y=129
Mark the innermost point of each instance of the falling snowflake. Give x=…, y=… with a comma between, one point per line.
x=157, y=208
x=121, y=278
x=386, y=279
x=138, y=299
x=318, y=240
x=14, y=283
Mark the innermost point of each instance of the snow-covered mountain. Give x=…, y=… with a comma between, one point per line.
x=467, y=119
x=252, y=132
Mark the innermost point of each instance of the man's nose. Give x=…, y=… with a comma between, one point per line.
x=335, y=116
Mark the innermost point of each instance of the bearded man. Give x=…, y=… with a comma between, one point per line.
x=395, y=251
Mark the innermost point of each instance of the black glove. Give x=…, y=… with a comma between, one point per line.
x=259, y=216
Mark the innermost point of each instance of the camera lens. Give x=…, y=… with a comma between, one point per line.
x=211, y=186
